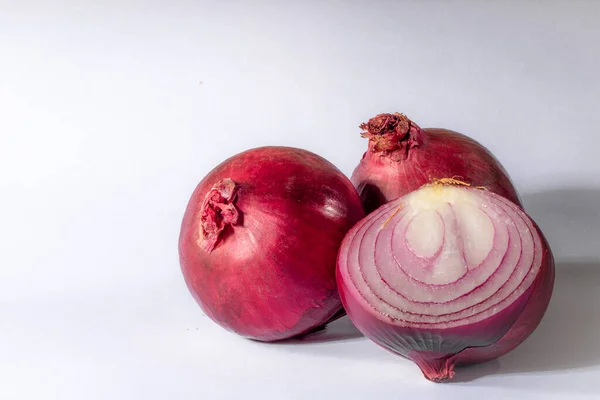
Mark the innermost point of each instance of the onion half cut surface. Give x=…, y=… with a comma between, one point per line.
x=446, y=275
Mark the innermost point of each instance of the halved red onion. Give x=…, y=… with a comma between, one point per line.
x=446, y=275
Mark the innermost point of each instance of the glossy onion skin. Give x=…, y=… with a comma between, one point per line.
x=421, y=156
x=437, y=351
x=271, y=275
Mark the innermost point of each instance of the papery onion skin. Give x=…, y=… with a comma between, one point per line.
x=402, y=157
x=437, y=350
x=259, y=240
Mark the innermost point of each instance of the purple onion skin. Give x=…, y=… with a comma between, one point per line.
x=402, y=157
x=268, y=270
x=438, y=351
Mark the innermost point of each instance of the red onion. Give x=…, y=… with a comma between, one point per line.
x=446, y=275
x=402, y=157
x=259, y=240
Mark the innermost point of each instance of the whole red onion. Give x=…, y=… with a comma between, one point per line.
x=402, y=157
x=259, y=240
x=446, y=275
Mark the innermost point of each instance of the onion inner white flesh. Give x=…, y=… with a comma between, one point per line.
x=442, y=256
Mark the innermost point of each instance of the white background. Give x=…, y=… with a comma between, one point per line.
x=105, y=129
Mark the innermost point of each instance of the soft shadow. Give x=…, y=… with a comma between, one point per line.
x=340, y=339
x=339, y=330
x=567, y=337
x=371, y=197
x=570, y=219
x=471, y=373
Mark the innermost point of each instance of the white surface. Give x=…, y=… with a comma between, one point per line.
x=105, y=130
